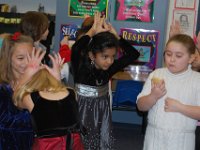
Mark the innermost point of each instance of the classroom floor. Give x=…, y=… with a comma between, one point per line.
x=128, y=136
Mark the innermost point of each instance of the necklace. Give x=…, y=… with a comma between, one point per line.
x=99, y=82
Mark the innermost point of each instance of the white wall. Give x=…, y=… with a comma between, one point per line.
x=32, y=5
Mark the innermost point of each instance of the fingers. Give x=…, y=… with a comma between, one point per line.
x=159, y=88
x=166, y=106
x=106, y=25
x=36, y=57
x=38, y=54
x=56, y=59
x=97, y=17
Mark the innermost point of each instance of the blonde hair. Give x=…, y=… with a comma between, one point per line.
x=7, y=50
x=41, y=81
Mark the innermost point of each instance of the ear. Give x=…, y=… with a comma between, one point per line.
x=192, y=58
x=91, y=56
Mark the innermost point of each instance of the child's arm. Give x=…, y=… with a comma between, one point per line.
x=175, y=29
x=79, y=48
x=129, y=55
x=146, y=102
x=64, y=50
x=172, y=105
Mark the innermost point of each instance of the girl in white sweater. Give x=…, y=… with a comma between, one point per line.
x=171, y=95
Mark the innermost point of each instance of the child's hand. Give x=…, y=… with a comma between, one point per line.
x=175, y=29
x=34, y=61
x=57, y=63
x=33, y=65
x=172, y=105
x=97, y=26
x=113, y=31
x=158, y=89
x=65, y=41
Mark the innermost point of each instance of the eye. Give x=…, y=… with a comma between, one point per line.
x=178, y=56
x=168, y=54
x=104, y=56
x=20, y=58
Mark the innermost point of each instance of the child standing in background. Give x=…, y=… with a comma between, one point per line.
x=93, y=64
x=65, y=51
x=65, y=48
x=35, y=24
x=172, y=97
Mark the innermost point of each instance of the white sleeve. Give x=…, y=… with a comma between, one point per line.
x=65, y=71
x=146, y=88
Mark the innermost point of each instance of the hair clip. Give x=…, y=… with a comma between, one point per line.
x=16, y=36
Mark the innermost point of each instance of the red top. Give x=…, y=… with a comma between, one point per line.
x=65, y=53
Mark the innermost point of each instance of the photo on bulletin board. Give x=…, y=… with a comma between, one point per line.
x=187, y=4
x=80, y=8
x=146, y=42
x=69, y=30
x=145, y=53
x=134, y=10
x=186, y=19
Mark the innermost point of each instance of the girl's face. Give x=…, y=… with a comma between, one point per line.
x=19, y=58
x=177, y=57
x=103, y=60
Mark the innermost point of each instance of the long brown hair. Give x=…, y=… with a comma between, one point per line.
x=34, y=24
x=7, y=49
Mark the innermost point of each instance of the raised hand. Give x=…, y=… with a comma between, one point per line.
x=65, y=41
x=57, y=63
x=112, y=30
x=98, y=25
x=34, y=61
x=175, y=29
x=33, y=65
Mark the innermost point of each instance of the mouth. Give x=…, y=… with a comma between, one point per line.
x=170, y=65
x=105, y=67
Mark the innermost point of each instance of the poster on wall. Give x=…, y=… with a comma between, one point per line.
x=79, y=8
x=187, y=4
x=146, y=42
x=186, y=19
x=69, y=30
x=134, y=10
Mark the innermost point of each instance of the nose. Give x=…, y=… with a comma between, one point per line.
x=172, y=58
x=110, y=61
x=26, y=61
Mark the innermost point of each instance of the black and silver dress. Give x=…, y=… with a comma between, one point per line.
x=91, y=85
